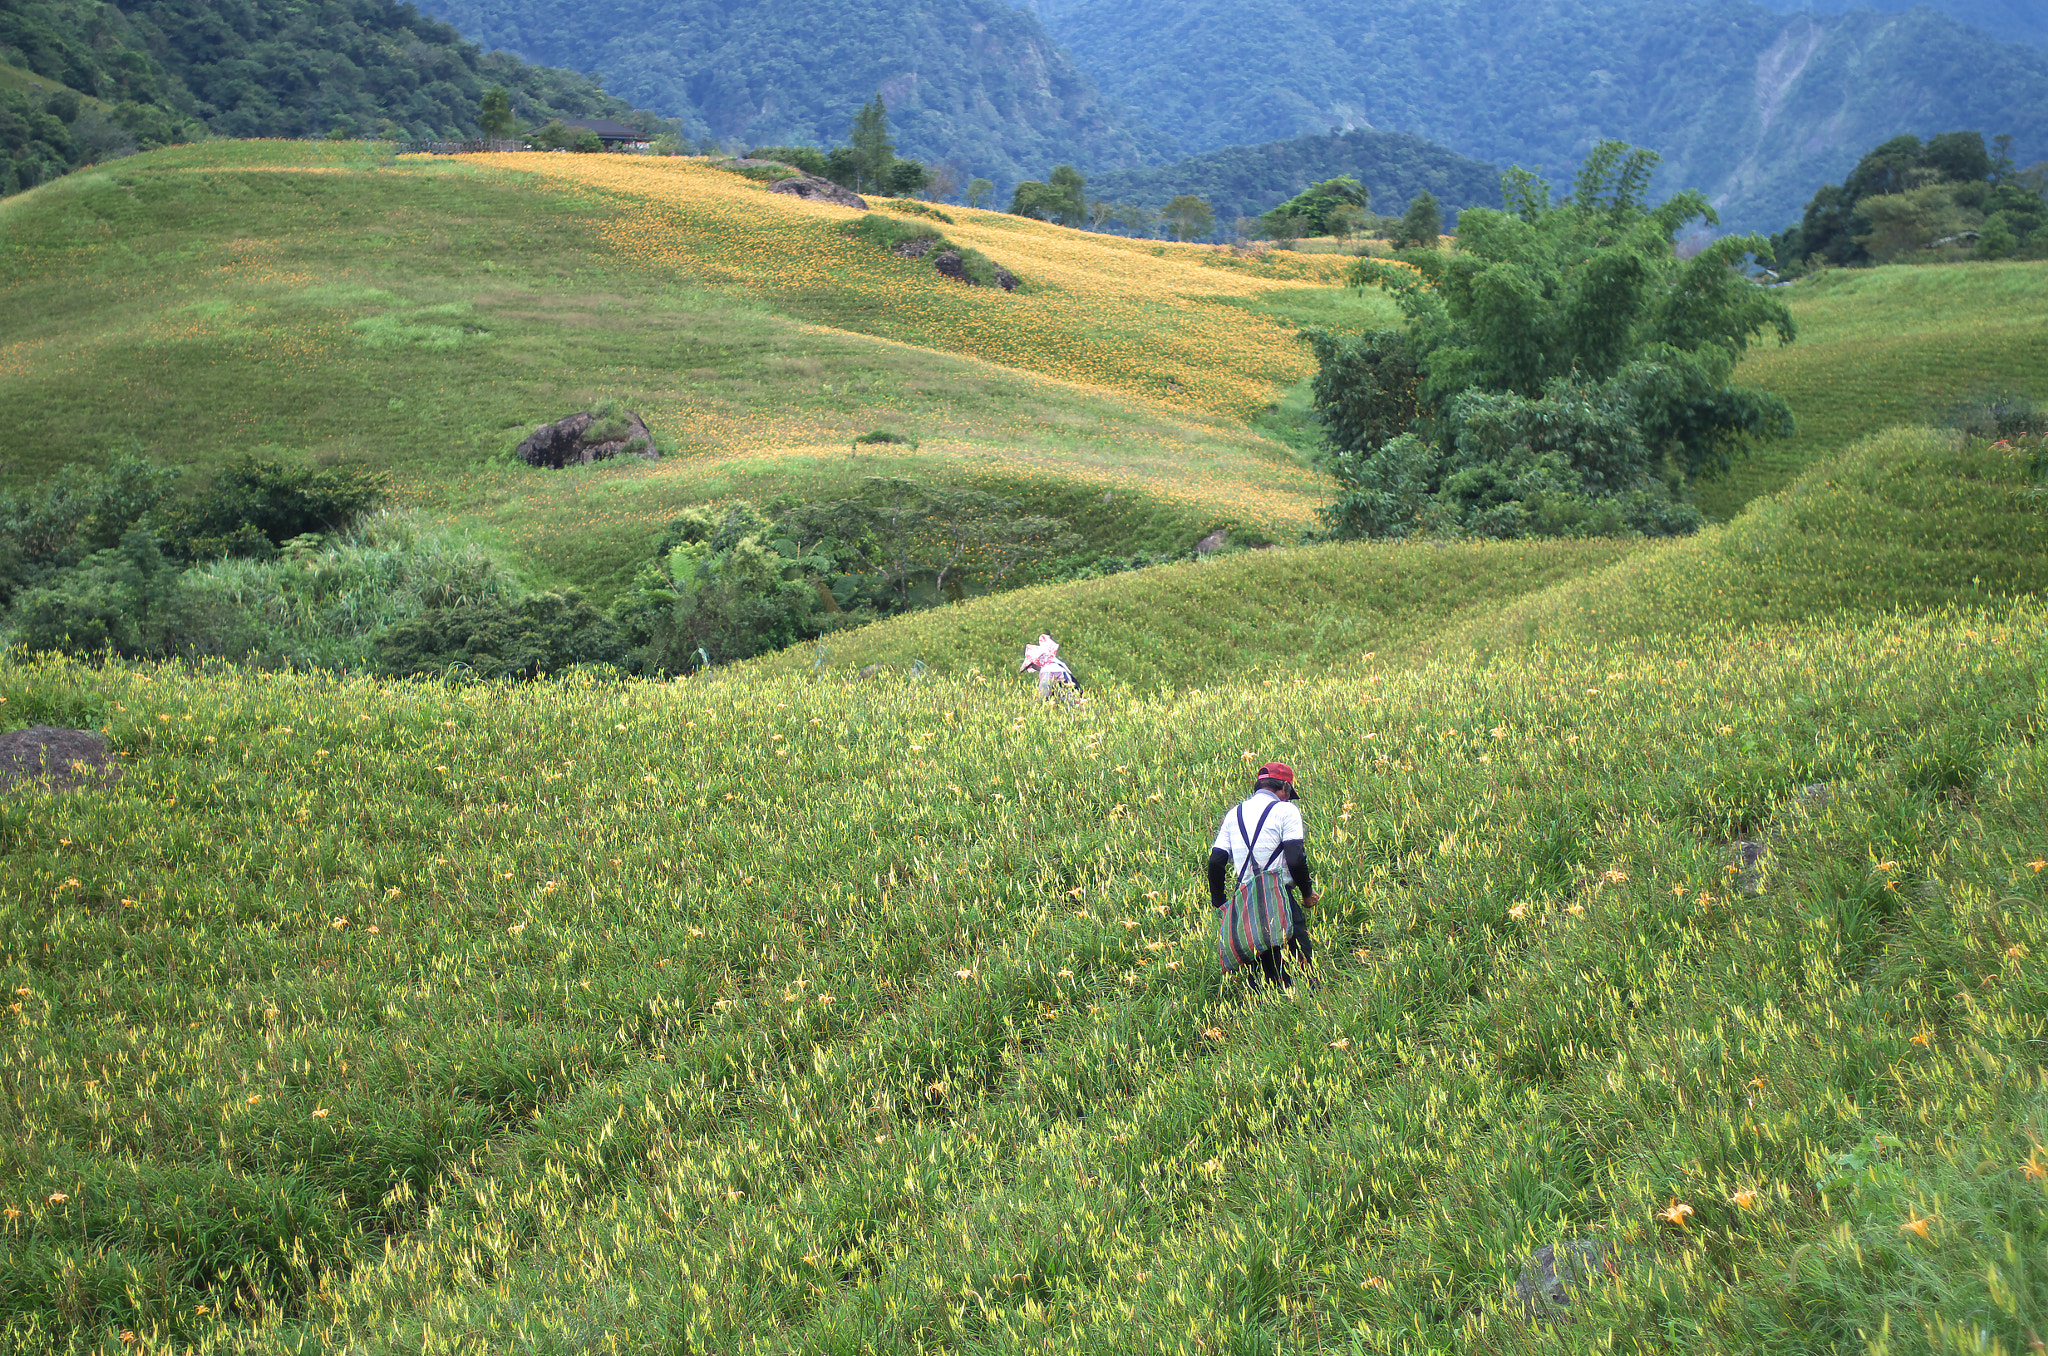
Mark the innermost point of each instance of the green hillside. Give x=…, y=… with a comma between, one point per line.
x=420, y=316
x=1755, y=109
x=155, y=72
x=1682, y=902
x=884, y=1015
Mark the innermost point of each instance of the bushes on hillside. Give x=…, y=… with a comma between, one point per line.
x=1948, y=197
x=731, y=585
x=1562, y=373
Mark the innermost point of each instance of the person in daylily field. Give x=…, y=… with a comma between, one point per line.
x=1044, y=660
x=1263, y=840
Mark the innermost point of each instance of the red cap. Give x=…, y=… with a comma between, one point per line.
x=1278, y=772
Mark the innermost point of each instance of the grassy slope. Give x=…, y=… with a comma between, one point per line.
x=1886, y=346
x=881, y=1016
x=1910, y=519
x=421, y=315
x=884, y=1016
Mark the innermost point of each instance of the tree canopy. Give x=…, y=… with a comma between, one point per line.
x=1563, y=371
x=1906, y=196
x=1315, y=210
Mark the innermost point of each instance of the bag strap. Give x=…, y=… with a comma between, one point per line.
x=1251, y=840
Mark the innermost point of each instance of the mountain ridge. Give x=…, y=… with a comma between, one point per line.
x=1752, y=107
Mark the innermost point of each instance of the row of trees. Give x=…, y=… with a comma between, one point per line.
x=1564, y=372
x=1947, y=197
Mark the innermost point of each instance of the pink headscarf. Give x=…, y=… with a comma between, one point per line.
x=1036, y=655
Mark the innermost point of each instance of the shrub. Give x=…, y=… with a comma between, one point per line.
x=490, y=638
x=256, y=505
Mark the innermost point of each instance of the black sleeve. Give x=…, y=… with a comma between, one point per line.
x=1219, y=863
x=1297, y=865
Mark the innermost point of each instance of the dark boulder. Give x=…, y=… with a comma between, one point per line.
x=813, y=189
x=55, y=759
x=581, y=439
x=917, y=247
x=1213, y=543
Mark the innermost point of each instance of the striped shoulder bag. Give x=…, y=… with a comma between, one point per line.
x=1259, y=917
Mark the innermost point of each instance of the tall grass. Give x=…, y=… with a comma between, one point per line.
x=765, y=1014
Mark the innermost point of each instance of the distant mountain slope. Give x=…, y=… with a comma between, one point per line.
x=1752, y=107
x=977, y=81
x=1247, y=180
x=2006, y=20
x=169, y=70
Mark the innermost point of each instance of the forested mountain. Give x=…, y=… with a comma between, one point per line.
x=165, y=70
x=973, y=81
x=2008, y=20
x=1752, y=107
x=1243, y=181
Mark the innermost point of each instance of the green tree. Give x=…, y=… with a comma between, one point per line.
x=978, y=192
x=497, y=118
x=1188, y=217
x=1037, y=200
x=1312, y=211
x=1072, y=190
x=874, y=150
x=1421, y=225
x=1575, y=317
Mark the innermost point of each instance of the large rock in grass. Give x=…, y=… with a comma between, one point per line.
x=583, y=438
x=55, y=759
x=813, y=189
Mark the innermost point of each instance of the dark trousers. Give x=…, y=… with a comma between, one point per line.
x=1273, y=964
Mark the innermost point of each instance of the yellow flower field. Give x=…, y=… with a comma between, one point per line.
x=1137, y=316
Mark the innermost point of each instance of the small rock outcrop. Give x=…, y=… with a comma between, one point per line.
x=1214, y=542
x=570, y=442
x=915, y=248
x=1553, y=1274
x=813, y=189
x=950, y=264
x=56, y=759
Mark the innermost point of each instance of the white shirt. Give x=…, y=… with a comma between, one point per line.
x=1283, y=825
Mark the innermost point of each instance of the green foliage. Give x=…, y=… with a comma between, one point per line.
x=874, y=150
x=1421, y=224
x=1572, y=463
x=257, y=504
x=979, y=191
x=1062, y=198
x=741, y=584
x=77, y=511
x=176, y=70
x=494, y=114
x=488, y=639
x=1907, y=199
x=1314, y=210
x=1188, y=217
x=1613, y=356
x=557, y=135
x=809, y=159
